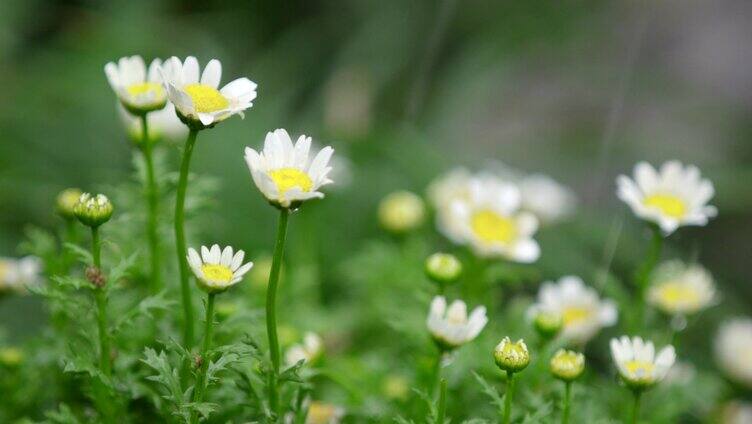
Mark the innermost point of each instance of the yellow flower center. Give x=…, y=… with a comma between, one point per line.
x=149, y=90
x=206, y=98
x=288, y=178
x=575, y=314
x=490, y=227
x=675, y=294
x=668, y=204
x=216, y=272
x=640, y=369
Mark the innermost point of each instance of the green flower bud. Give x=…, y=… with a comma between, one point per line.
x=401, y=212
x=93, y=211
x=66, y=201
x=511, y=357
x=548, y=324
x=567, y=365
x=443, y=268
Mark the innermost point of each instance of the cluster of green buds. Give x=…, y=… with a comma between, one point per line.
x=511, y=357
x=443, y=268
x=66, y=202
x=567, y=365
x=548, y=324
x=93, y=210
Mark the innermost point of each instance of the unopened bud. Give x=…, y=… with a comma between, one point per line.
x=66, y=202
x=443, y=268
x=567, y=365
x=511, y=357
x=93, y=211
x=548, y=324
x=401, y=212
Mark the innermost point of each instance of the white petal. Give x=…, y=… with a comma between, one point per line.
x=226, y=258
x=212, y=73
x=190, y=70
x=215, y=254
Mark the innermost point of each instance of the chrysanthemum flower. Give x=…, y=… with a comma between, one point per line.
x=674, y=197
x=93, y=210
x=442, y=193
x=511, y=356
x=199, y=101
x=583, y=313
x=138, y=89
x=451, y=328
x=733, y=345
x=17, y=274
x=162, y=124
x=284, y=172
x=217, y=270
x=681, y=289
x=637, y=362
x=308, y=351
x=567, y=365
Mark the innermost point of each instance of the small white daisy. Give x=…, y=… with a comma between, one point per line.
x=733, y=345
x=674, y=197
x=637, y=362
x=138, y=89
x=582, y=311
x=163, y=124
x=17, y=274
x=452, y=327
x=199, y=101
x=217, y=270
x=680, y=289
x=308, y=351
x=284, y=172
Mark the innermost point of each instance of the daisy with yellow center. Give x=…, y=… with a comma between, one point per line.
x=637, y=362
x=199, y=102
x=285, y=173
x=681, y=289
x=452, y=327
x=139, y=90
x=674, y=196
x=217, y=269
x=582, y=311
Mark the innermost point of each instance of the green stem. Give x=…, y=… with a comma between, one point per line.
x=567, y=402
x=442, y=402
x=642, y=277
x=636, y=406
x=200, y=388
x=271, y=308
x=185, y=289
x=436, y=377
x=508, y=398
x=101, y=300
x=152, y=199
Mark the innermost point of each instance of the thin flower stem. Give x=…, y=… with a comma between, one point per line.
x=642, y=276
x=152, y=199
x=567, y=402
x=442, y=402
x=436, y=377
x=200, y=388
x=508, y=399
x=101, y=300
x=636, y=406
x=271, y=308
x=185, y=289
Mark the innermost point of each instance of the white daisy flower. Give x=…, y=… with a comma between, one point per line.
x=217, y=270
x=442, y=193
x=199, y=101
x=681, y=289
x=451, y=328
x=17, y=274
x=546, y=198
x=582, y=311
x=637, y=362
x=492, y=224
x=138, y=89
x=163, y=124
x=674, y=197
x=308, y=351
x=284, y=172
x=733, y=345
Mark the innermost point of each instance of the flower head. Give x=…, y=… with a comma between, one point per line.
x=17, y=274
x=511, y=356
x=401, y=212
x=451, y=327
x=567, y=365
x=308, y=351
x=93, y=210
x=680, y=289
x=672, y=197
x=637, y=363
x=162, y=124
x=217, y=269
x=66, y=201
x=139, y=90
x=733, y=345
x=582, y=311
x=284, y=172
x=199, y=102
x=442, y=193
x=443, y=268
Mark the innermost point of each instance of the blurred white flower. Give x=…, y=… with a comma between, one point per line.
x=546, y=198
x=401, y=212
x=451, y=328
x=17, y=274
x=284, y=172
x=582, y=311
x=140, y=91
x=637, y=362
x=163, y=124
x=308, y=351
x=681, y=289
x=200, y=101
x=217, y=270
x=676, y=196
x=736, y=412
x=442, y=193
x=733, y=345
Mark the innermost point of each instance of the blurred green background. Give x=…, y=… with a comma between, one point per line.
x=403, y=90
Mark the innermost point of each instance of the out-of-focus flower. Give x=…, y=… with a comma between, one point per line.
x=567, y=365
x=93, y=210
x=547, y=324
x=284, y=173
x=217, y=270
x=451, y=328
x=162, y=124
x=140, y=91
x=681, y=289
x=17, y=274
x=546, y=198
x=348, y=99
x=511, y=356
x=401, y=212
x=583, y=312
x=11, y=356
x=396, y=387
x=442, y=193
x=66, y=201
x=324, y=413
x=308, y=351
x=443, y=268
x=733, y=345
x=736, y=412
x=199, y=102
x=637, y=362
x=676, y=196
